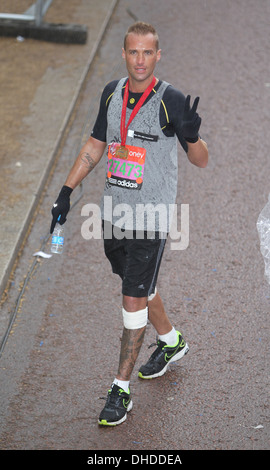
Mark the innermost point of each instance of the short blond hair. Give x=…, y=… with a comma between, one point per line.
x=142, y=28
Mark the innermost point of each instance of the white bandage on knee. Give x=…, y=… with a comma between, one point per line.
x=135, y=320
x=152, y=295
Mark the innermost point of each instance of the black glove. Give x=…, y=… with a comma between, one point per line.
x=191, y=121
x=61, y=207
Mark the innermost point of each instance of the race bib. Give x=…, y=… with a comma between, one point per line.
x=125, y=168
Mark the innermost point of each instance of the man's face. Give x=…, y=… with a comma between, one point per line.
x=141, y=56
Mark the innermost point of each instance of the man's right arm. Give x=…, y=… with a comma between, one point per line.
x=87, y=159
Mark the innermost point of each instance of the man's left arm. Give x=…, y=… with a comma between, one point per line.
x=198, y=153
x=197, y=149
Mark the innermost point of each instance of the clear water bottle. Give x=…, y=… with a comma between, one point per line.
x=58, y=236
x=263, y=227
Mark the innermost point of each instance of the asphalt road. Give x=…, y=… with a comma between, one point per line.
x=62, y=353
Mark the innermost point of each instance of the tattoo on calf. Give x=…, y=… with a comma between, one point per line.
x=88, y=160
x=130, y=348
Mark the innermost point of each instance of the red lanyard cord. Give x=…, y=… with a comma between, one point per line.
x=124, y=127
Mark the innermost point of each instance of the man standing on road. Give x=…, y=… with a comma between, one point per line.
x=140, y=118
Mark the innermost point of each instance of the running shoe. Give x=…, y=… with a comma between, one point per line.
x=162, y=356
x=117, y=405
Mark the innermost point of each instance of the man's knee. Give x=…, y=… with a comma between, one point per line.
x=132, y=304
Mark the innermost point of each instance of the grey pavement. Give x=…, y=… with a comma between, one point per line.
x=62, y=350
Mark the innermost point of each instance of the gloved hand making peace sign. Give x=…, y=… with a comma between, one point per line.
x=191, y=121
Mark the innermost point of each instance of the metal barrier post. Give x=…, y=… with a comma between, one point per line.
x=38, y=12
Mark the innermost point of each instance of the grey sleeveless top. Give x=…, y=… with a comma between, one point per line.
x=146, y=208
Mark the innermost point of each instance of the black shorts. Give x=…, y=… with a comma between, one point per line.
x=136, y=261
